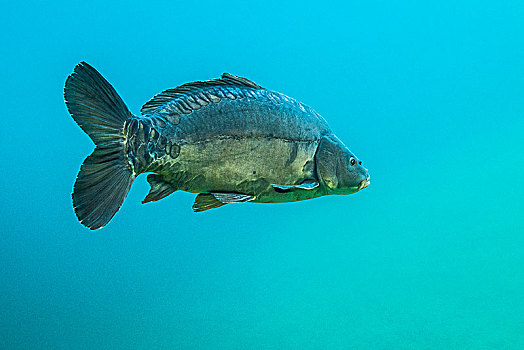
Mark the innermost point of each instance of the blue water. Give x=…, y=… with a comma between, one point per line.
x=430, y=95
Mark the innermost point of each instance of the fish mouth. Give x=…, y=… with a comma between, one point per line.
x=364, y=183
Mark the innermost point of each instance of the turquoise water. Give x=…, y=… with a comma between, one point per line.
x=429, y=95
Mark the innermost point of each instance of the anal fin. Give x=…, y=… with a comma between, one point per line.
x=159, y=188
x=206, y=201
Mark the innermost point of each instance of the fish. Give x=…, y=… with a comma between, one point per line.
x=228, y=140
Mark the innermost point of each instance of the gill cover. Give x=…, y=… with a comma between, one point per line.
x=328, y=159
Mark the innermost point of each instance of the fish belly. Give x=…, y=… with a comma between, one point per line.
x=243, y=165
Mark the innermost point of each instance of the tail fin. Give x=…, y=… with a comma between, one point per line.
x=105, y=176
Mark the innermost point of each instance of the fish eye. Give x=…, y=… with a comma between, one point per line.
x=353, y=161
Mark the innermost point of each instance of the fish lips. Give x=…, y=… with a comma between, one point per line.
x=364, y=183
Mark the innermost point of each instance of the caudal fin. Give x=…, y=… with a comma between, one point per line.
x=105, y=176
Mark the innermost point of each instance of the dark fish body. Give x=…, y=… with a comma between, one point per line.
x=245, y=142
x=227, y=139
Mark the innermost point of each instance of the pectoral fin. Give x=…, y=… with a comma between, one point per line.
x=306, y=185
x=205, y=201
x=159, y=188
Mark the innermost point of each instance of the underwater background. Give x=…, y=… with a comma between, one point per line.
x=429, y=95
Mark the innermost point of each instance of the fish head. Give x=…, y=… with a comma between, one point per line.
x=352, y=175
x=338, y=169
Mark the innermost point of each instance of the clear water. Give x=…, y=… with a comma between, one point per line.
x=429, y=95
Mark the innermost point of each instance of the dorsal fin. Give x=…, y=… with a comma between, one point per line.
x=231, y=79
x=189, y=89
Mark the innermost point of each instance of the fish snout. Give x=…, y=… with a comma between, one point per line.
x=364, y=183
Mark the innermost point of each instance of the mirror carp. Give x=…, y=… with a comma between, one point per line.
x=228, y=139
